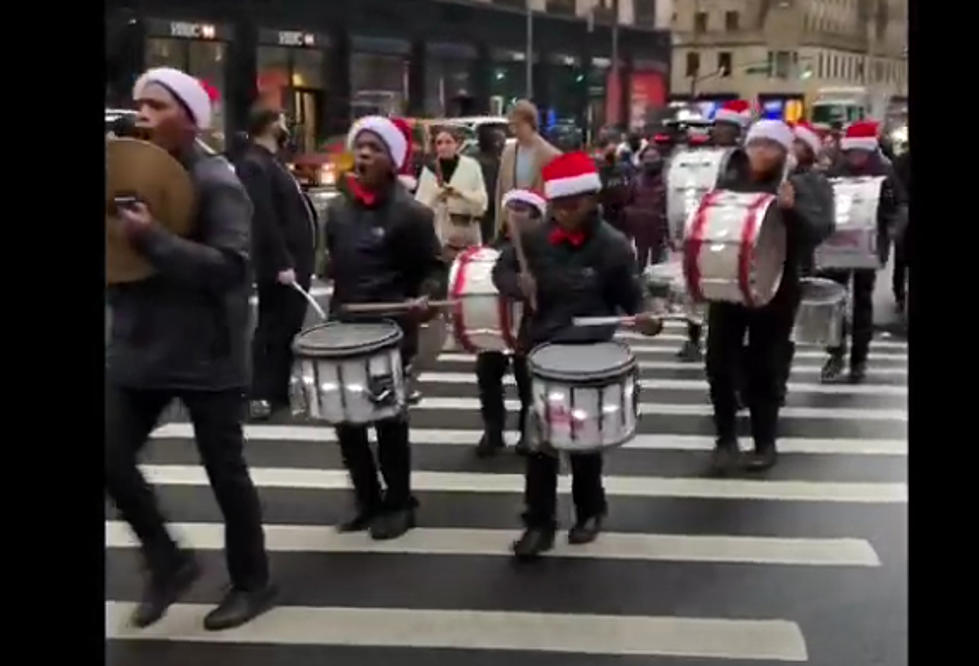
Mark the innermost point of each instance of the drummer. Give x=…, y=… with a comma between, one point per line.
x=806, y=217
x=383, y=248
x=578, y=265
x=523, y=209
x=862, y=157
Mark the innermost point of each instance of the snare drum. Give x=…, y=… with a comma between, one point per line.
x=822, y=309
x=734, y=249
x=692, y=174
x=853, y=245
x=482, y=320
x=348, y=373
x=586, y=397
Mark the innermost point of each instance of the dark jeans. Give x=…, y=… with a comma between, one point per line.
x=695, y=332
x=490, y=368
x=862, y=328
x=899, y=277
x=130, y=415
x=540, y=491
x=763, y=364
x=281, y=310
x=649, y=247
x=394, y=458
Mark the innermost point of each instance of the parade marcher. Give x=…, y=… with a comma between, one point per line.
x=899, y=279
x=862, y=157
x=616, y=176
x=491, y=142
x=383, y=248
x=578, y=265
x=283, y=242
x=646, y=212
x=806, y=212
x=183, y=333
x=525, y=211
x=452, y=186
x=522, y=160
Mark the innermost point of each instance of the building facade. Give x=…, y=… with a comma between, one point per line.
x=330, y=61
x=782, y=52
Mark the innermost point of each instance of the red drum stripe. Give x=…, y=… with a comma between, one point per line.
x=747, y=249
x=458, y=321
x=691, y=249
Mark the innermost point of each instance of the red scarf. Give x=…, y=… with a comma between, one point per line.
x=559, y=235
x=360, y=193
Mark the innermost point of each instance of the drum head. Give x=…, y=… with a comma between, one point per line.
x=769, y=256
x=822, y=291
x=583, y=362
x=337, y=339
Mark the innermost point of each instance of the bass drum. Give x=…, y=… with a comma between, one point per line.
x=853, y=244
x=734, y=249
x=482, y=319
x=692, y=174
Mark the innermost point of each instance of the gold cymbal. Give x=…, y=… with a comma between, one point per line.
x=146, y=171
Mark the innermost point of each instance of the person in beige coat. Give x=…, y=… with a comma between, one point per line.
x=522, y=160
x=452, y=186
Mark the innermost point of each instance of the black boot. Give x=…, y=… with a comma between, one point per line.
x=523, y=444
x=392, y=524
x=858, y=372
x=259, y=410
x=533, y=542
x=833, y=369
x=240, y=606
x=690, y=352
x=358, y=522
x=490, y=443
x=725, y=456
x=762, y=458
x=585, y=531
x=164, y=589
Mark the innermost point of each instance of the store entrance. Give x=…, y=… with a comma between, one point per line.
x=304, y=110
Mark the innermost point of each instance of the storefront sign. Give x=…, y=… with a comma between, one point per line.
x=295, y=38
x=192, y=30
x=158, y=27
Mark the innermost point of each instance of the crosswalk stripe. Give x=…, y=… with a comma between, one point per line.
x=694, y=384
x=652, y=409
x=325, y=433
x=639, y=349
x=611, y=545
x=779, y=640
x=632, y=486
x=680, y=365
x=880, y=342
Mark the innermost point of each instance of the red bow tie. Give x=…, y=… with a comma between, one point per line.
x=559, y=235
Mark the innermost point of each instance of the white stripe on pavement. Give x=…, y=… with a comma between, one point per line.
x=695, y=384
x=879, y=342
x=461, y=629
x=633, y=486
x=611, y=545
x=639, y=349
x=325, y=433
x=652, y=409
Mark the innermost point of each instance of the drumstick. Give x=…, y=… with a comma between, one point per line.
x=312, y=301
x=618, y=320
x=394, y=307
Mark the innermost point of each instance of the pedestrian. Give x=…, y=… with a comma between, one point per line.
x=578, y=265
x=452, y=186
x=523, y=210
x=806, y=214
x=616, y=176
x=646, y=212
x=283, y=244
x=861, y=157
x=491, y=142
x=899, y=279
x=522, y=160
x=182, y=333
x=384, y=249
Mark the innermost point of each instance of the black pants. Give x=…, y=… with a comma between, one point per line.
x=490, y=368
x=694, y=332
x=540, y=491
x=281, y=310
x=862, y=328
x=764, y=366
x=394, y=457
x=649, y=247
x=899, y=277
x=130, y=415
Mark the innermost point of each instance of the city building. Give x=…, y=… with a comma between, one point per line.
x=781, y=53
x=326, y=62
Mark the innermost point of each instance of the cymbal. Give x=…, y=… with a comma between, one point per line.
x=146, y=171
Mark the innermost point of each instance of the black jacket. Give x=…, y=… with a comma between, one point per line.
x=595, y=279
x=186, y=327
x=284, y=223
x=384, y=253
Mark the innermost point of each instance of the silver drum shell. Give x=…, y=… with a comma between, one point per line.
x=822, y=310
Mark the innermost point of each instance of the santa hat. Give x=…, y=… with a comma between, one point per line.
x=528, y=197
x=389, y=132
x=807, y=134
x=861, y=135
x=737, y=112
x=773, y=130
x=570, y=174
x=184, y=87
x=406, y=173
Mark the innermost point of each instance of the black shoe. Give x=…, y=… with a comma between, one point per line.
x=533, y=542
x=761, y=459
x=585, y=531
x=259, y=410
x=490, y=444
x=358, y=523
x=832, y=370
x=161, y=591
x=414, y=396
x=858, y=372
x=240, y=606
x=523, y=446
x=724, y=458
x=690, y=352
x=392, y=524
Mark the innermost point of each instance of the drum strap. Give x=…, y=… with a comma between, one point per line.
x=691, y=250
x=747, y=249
x=458, y=286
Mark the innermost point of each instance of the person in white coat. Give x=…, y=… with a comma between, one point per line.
x=452, y=186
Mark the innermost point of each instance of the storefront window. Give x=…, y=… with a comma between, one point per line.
x=448, y=87
x=291, y=79
x=379, y=84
